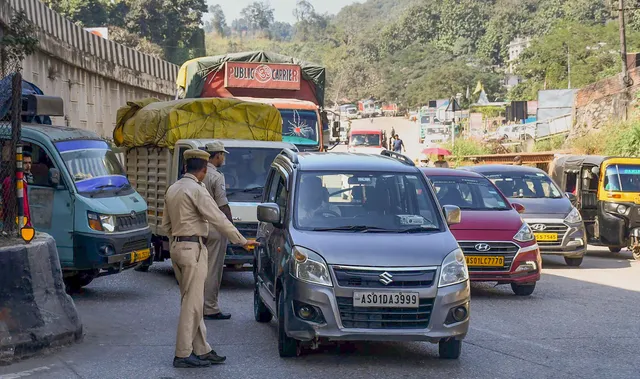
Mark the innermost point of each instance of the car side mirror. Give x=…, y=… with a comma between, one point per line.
x=572, y=198
x=595, y=171
x=54, y=176
x=452, y=214
x=518, y=207
x=269, y=213
x=335, y=130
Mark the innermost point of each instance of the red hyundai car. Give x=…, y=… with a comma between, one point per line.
x=498, y=245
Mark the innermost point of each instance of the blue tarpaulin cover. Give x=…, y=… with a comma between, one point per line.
x=28, y=88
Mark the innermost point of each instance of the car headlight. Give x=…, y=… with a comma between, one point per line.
x=616, y=208
x=525, y=234
x=101, y=223
x=454, y=269
x=573, y=217
x=310, y=267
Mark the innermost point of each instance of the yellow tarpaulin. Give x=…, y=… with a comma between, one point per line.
x=150, y=122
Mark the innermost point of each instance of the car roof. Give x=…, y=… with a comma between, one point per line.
x=482, y=169
x=60, y=133
x=316, y=161
x=429, y=171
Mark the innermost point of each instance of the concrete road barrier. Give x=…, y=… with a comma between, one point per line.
x=35, y=311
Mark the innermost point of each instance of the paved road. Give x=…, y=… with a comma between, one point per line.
x=580, y=323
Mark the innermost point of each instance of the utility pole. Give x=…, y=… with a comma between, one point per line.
x=623, y=43
x=568, y=67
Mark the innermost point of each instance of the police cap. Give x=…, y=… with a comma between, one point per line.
x=196, y=154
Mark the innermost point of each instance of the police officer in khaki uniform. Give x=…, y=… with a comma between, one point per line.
x=189, y=213
x=216, y=241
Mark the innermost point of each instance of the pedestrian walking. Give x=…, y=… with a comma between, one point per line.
x=189, y=213
x=398, y=145
x=216, y=241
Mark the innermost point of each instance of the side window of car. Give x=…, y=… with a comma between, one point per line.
x=273, y=186
x=282, y=196
x=36, y=164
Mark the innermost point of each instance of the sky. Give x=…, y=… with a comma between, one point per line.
x=283, y=9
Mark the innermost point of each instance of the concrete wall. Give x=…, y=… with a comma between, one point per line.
x=603, y=102
x=94, y=76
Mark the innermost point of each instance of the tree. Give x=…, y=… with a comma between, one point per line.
x=258, y=14
x=84, y=12
x=18, y=42
x=281, y=31
x=218, y=22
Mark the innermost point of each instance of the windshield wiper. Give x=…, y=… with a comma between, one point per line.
x=417, y=229
x=253, y=189
x=355, y=228
x=123, y=187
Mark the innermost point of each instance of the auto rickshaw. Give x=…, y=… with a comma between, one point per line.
x=606, y=191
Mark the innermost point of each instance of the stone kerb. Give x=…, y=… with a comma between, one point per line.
x=35, y=311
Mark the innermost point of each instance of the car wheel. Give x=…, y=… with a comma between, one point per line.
x=76, y=282
x=450, y=349
x=287, y=346
x=615, y=249
x=260, y=311
x=523, y=289
x=573, y=262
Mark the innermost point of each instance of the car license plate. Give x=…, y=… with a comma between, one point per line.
x=484, y=261
x=546, y=236
x=386, y=299
x=140, y=255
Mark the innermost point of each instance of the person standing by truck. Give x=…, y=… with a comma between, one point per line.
x=190, y=212
x=216, y=241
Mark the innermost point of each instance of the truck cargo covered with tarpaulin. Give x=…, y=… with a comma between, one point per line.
x=151, y=122
x=205, y=77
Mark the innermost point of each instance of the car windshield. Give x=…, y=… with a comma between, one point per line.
x=299, y=126
x=525, y=185
x=245, y=171
x=622, y=178
x=93, y=166
x=365, y=201
x=365, y=140
x=468, y=193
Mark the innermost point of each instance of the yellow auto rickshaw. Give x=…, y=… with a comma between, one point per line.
x=606, y=191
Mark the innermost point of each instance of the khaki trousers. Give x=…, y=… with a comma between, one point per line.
x=189, y=260
x=216, y=249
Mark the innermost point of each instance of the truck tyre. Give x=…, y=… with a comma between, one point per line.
x=260, y=311
x=76, y=282
x=615, y=249
x=523, y=289
x=450, y=349
x=573, y=262
x=287, y=346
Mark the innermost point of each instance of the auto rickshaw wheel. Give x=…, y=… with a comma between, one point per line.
x=614, y=249
x=636, y=253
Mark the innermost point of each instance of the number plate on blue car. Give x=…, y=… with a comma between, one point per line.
x=386, y=299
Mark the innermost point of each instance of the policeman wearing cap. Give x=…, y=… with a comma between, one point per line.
x=189, y=213
x=216, y=241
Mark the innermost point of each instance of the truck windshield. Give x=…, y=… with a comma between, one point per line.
x=622, y=178
x=525, y=185
x=365, y=202
x=425, y=119
x=365, y=139
x=93, y=167
x=245, y=171
x=299, y=126
x=468, y=193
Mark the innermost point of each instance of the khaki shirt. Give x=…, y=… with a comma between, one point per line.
x=214, y=183
x=189, y=209
x=442, y=164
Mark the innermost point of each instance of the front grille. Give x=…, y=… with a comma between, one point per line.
x=506, y=249
x=247, y=229
x=371, y=278
x=384, y=318
x=135, y=246
x=129, y=222
x=561, y=229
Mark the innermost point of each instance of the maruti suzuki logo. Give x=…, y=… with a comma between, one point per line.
x=386, y=278
x=482, y=247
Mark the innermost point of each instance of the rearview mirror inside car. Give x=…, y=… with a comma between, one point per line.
x=518, y=207
x=452, y=214
x=269, y=212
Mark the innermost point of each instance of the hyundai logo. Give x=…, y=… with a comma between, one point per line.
x=482, y=247
x=386, y=278
x=538, y=227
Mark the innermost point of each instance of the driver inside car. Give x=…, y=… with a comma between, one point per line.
x=313, y=199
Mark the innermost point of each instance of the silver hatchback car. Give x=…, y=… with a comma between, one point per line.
x=355, y=247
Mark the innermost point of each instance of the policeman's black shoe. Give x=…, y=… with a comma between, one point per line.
x=218, y=316
x=191, y=361
x=213, y=357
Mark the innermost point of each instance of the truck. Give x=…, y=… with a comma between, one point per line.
x=250, y=131
x=366, y=108
x=366, y=141
x=293, y=86
x=79, y=194
x=390, y=110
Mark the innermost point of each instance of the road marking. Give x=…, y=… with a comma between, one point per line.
x=505, y=336
x=26, y=373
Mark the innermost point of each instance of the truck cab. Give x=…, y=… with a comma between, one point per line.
x=245, y=171
x=79, y=194
x=365, y=141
